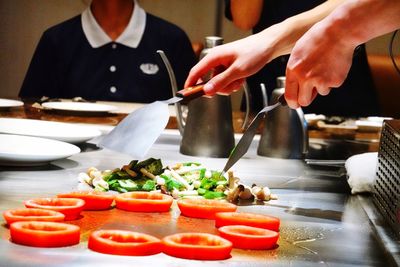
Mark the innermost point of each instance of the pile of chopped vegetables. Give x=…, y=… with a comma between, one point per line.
x=190, y=179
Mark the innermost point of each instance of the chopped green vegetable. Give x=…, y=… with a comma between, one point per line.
x=150, y=185
x=191, y=163
x=145, y=176
x=171, y=183
x=152, y=165
x=128, y=184
x=207, y=183
x=213, y=195
x=201, y=191
x=202, y=173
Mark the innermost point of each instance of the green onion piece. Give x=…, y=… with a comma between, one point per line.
x=213, y=195
x=149, y=185
x=201, y=191
x=191, y=163
x=202, y=173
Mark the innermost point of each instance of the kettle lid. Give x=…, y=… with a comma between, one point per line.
x=212, y=41
x=281, y=82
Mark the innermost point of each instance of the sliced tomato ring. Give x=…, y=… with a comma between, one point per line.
x=93, y=200
x=44, y=234
x=203, y=208
x=246, y=218
x=70, y=207
x=248, y=237
x=32, y=215
x=143, y=202
x=119, y=242
x=197, y=246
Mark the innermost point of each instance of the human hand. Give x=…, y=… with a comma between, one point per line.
x=232, y=63
x=320, y=61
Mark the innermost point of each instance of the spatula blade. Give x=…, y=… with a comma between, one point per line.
x=135, y=134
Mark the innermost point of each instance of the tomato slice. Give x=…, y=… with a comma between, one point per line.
x=203, y=208
x=32, y=215
x=197, y=246
x=44, y=234
x=70, y=207
x=143, y=202
x=93, y=200
x=119, y=242
x=248, y=237
x=249, y=219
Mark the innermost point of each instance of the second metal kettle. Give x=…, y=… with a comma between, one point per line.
x=285, y=132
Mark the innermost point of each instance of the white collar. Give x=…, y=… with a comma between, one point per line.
x=131, y=36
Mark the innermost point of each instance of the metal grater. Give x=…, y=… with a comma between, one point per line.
x=387, y=183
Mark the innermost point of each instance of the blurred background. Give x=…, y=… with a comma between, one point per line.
x=23, y=21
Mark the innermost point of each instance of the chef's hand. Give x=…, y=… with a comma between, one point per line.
x=319, y=61
x=234, y=62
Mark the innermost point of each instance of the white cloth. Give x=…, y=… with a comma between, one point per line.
x=361, y=171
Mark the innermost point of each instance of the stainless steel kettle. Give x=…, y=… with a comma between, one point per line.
x=285, y=132
x=208, y=129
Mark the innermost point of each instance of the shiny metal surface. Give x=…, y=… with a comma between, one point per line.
x=129, y=135
x=321, y=224
x=208, y=131
x=285, y=132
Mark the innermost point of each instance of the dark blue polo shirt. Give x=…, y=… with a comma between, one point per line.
x=65, y=65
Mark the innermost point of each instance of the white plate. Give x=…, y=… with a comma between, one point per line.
x=9, y=103
x=60, y=131
x=78, y=107
x=18, y=150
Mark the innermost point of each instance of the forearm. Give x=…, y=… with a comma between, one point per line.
x=246, y=13
x=290, y=30
x=356, y=22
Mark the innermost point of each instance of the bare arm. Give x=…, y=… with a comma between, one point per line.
x=321, y=59
x=245, y=57
x=294, y=27
x=246, y=13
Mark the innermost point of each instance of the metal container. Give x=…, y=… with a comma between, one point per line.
x=208, y=130
x=386, y=191
x=285, y=130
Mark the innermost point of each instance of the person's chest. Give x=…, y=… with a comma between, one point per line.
x=116, y=72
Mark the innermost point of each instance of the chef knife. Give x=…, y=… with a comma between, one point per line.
x=244, y=143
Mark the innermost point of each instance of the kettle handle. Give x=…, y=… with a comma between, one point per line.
x=247, y=97
x=174, y=87
x=304, y=129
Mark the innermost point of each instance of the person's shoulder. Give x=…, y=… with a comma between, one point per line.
x=163, y=26
x=65, y=28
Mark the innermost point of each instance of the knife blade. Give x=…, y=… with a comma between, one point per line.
x=244, y=143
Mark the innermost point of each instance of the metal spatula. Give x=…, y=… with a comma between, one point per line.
x=135, y=134
x=244, y=143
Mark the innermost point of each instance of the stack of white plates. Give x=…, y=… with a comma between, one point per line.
x=19, y=150
x=35, y=142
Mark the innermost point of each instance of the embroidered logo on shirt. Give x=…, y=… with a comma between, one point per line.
x=149, y=68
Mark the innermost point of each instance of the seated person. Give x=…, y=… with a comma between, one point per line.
x=355, y=97
x=109, y=53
